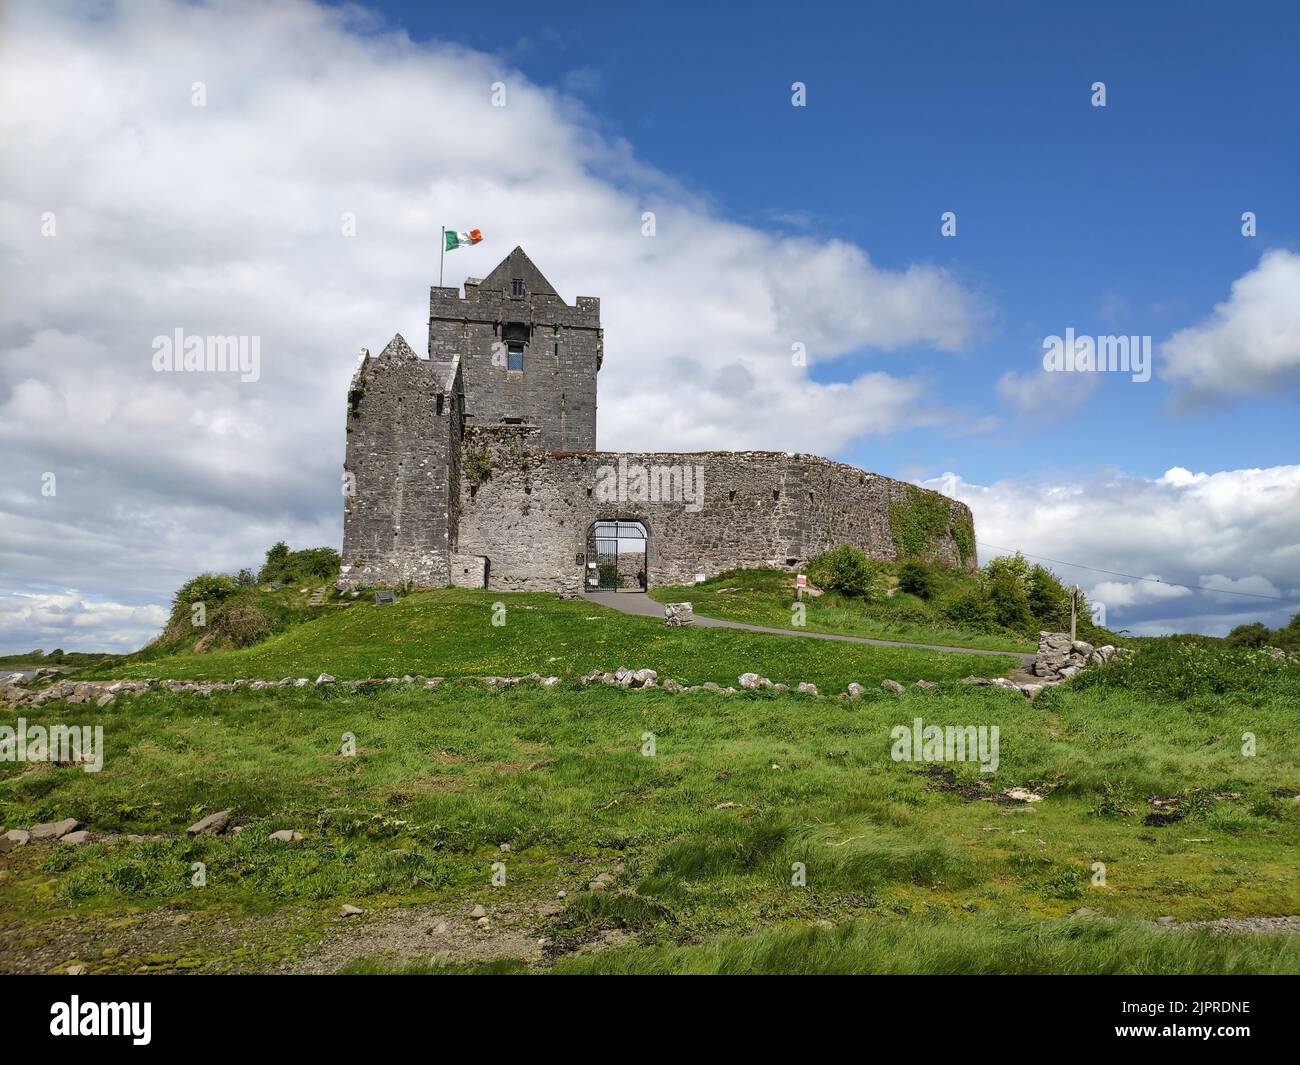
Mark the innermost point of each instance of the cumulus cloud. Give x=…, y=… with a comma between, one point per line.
x=47, y=620
x=1237, y=522
x=127, y=213
x=1250, y=344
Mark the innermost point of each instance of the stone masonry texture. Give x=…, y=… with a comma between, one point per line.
x=466, y=469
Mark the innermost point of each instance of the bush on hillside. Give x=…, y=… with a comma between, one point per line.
x=1049, y=600
x=206, y=588
x=1009, y=603
x=845, y=569
x=917, y=578
x=312, y=564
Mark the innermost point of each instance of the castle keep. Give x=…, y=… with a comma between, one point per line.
x=476, y=466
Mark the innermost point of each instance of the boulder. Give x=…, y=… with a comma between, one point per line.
x=892, y=686
x=18, y=836
x=855, y=689
x=324, y=678
x=75, y=838
x=924, y=684
x=748, y=681
x=212, y=825
x=808, y=688
x=285, y=835
x=645, y=678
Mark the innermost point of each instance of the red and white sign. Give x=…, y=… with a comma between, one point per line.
x=801, y=581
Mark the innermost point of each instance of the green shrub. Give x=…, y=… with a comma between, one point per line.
x=1009, y=603
x=1049, y=600
x=206, y=588
x=845, y=569
x=916, y=578
x=968, y=606
x=1255, y=634
x=299, y=567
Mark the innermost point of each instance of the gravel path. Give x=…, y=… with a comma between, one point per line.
x=642, y=605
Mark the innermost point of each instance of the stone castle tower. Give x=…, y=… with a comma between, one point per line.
x=528, y=358
x=477, y=466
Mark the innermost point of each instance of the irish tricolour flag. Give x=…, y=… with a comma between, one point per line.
x=456, y=240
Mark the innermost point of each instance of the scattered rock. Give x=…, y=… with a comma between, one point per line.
x=924, y=684
x=855, y=690
x=212, y=825
x=18, y=836
x=285, y=835
x=477, y=913
x=52, y=829
x=75, y=838
x=75, y=970
x=748, y=681
x=808, y=688
x=892, y=686
x=105, y=699
x=324, y=678
x=349, y=910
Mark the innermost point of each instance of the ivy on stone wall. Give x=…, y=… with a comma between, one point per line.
x=963, y=533
x=920, y=520
x=478, y=467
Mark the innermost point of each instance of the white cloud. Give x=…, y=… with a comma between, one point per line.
x=75, y=623
x=1184, y=527
x=1249, y=344
x=227, y=219
x=1043, y=396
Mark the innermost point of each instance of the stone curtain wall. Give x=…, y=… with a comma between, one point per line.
x=530, y=514
x=401, y=448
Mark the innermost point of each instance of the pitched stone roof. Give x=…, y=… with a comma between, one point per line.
x=517, y=264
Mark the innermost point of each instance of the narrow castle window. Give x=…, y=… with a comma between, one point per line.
x=439, y=410
x=517, y=287
x=515, y=357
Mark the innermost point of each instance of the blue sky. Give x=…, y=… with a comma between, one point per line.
x=1123, y=219
x=817, y=225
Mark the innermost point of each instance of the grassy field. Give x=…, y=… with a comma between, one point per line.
x=451, y=633
x=766, y=597
x=916, y=867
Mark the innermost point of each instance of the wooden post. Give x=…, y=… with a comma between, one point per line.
x=1074, y=612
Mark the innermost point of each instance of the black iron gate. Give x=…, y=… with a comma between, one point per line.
x=616, y=557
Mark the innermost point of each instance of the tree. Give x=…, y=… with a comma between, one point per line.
x=275, y=560
x=1255, y=634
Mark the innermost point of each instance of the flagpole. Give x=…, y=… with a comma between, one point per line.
x=442, y=254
